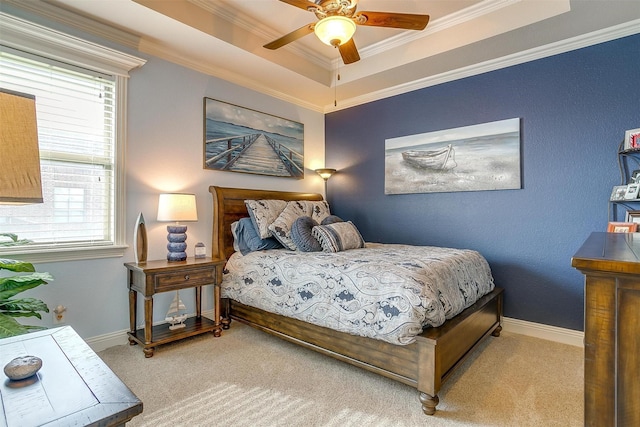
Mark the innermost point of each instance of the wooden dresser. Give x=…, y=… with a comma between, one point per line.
x=611, y=265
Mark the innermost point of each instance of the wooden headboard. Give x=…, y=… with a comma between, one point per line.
x=228, y=206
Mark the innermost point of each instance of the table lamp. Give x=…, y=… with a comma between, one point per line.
x=177, y=207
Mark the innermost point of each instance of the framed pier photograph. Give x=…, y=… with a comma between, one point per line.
x=238, y=139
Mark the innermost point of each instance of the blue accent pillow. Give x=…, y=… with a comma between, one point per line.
x=302, y=236
x=248, y=239
x=331, y=219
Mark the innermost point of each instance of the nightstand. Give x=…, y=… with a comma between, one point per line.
x=152, y=277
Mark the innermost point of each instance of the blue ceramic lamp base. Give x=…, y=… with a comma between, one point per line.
x=177, y=245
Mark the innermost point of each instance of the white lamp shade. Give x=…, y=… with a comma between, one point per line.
x=177, y=207
x=335, y=30
x=20, y=180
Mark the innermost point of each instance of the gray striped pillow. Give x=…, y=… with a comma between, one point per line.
x=337, y=237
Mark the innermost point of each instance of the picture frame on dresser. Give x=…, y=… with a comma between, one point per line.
x=633, y=216
x=618, y=192
x=632, y=139
x=622, y=227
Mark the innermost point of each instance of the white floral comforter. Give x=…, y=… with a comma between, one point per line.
x=386, y=292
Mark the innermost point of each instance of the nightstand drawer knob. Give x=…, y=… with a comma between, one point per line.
x=186, y=277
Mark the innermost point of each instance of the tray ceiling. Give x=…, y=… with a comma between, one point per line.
x=224, y=38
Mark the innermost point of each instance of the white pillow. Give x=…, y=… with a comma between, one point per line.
x=281, y=227
x=263, y=213
x=319, y=210
x=339, y=236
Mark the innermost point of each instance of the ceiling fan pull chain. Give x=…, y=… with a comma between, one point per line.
x=335, y=89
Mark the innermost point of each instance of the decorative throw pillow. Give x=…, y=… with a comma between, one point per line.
x=281, y=227
x=234, y=229
x=247, y=239
x=331, y=219
x=263, y=213
x=339, y=236
x=319, y=210
x=302, y=236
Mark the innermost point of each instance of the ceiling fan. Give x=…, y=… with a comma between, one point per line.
x=337, y=24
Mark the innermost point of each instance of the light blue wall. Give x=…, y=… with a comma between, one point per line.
x=574, y=109
x=165, y=153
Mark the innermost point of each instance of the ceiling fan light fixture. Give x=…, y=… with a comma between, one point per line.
x=335, y=30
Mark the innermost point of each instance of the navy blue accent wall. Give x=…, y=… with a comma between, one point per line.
x=574, y=109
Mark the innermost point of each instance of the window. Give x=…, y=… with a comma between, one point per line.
x=80, y=91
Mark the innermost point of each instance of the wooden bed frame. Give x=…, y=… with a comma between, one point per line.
x=426, y=364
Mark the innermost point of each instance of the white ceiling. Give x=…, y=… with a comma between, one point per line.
x=224, y=38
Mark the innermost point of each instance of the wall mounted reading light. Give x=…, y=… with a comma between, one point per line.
x=325, y=174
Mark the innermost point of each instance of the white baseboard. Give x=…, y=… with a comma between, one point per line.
x=516, y=326
x=538, y=330
x=103, y=342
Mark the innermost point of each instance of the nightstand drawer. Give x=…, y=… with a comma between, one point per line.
x=184, y=279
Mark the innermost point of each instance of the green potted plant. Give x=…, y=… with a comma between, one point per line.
x=11, y=308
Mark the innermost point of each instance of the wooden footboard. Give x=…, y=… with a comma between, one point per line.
x=425, y=364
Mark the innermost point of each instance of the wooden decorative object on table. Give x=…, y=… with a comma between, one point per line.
x=140, y=240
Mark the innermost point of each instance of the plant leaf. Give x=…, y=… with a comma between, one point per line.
x=15, y=265
x=14, y=241
x=9, y=327
x=22, y=314
x=24, y=304
x=10, y=286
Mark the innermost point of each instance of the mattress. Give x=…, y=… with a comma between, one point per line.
x=383, y=291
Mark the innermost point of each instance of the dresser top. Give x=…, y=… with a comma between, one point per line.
x=613, y=252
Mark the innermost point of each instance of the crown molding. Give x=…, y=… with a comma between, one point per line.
x=49, y=10
x=234, y=16
x=160, y=51
x=470, y=13
x=578, y=42
x=25, y=35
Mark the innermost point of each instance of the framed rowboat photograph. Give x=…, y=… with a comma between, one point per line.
x=472, y=158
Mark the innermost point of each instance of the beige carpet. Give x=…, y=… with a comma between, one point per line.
x=250, y=378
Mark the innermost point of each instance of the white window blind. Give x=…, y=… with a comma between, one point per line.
x=76, y=136
x=81, y=103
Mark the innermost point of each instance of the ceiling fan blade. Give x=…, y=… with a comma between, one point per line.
x=302, y=4
x=292, y=36
x=349, y=52
x=408, y=21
